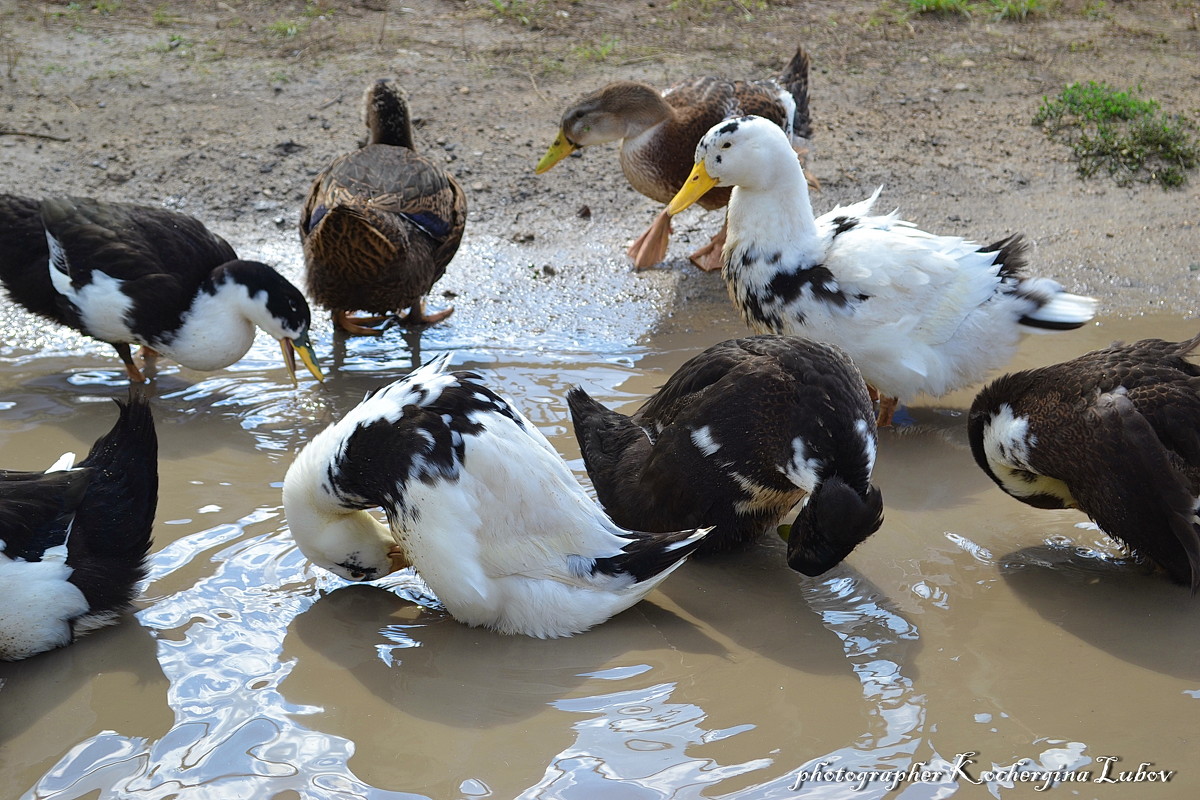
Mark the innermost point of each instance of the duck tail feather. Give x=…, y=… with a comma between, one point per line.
x=649, y=555
x=111, y=532
x=794, y=80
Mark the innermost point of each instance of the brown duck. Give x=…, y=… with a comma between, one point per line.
x=381, y=223
x=659, y=132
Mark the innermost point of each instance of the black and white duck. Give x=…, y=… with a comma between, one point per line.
x=477, y=501
x=739, y=435
x=137, y=275
x=917, y=312
x=73, y=539
x=381, y=223
x=659, y=131
x=1114, y=433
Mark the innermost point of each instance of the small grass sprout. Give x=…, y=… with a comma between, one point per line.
x=1118, y=132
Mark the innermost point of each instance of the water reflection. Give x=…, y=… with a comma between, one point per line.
x=970, y=623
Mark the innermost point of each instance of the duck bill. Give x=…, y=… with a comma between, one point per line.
x=697, y=184
x=302, y=347
x=557, y=152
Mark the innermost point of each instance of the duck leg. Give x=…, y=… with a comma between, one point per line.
x=358, y=326
x=149, y=361
x=651, y=247
x=131, y=369
x=887, y=409
x=711, y=257
x=416, y=316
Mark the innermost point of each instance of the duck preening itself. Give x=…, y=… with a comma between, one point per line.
x=381, y=223
x=130, y=274
x=739, y=435
x=477, y=501
x=73, y=539
x=917, y=312
x=659, y=132
x=1114, y=433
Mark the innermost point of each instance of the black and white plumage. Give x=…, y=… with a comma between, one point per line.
x=1114, y=433
x=129, y=274
x=916, y=311
x=73, y=540
x=737, y=436
x=477, y=501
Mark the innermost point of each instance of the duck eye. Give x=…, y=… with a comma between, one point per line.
x=726, y=145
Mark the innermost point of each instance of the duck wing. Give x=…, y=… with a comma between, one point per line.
x=379, y=227
x=1129, y=482
x=36, y=509
x=160, y=257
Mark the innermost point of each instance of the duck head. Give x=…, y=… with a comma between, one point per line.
x=349, y=542
x=617, y=111
x=833, y=521
x=750, y=152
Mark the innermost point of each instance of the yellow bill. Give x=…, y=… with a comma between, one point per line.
x=557, y=152
x=697, y=184
x=301, y=346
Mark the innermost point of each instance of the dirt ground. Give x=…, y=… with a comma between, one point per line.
x=227, y=110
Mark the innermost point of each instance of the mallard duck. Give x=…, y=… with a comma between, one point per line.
x=381, y=223
x=1114, y=433
x=129, y=274
x=73, y=539
x=659, y=132
x=917, y=312
x=478, y=501
x=739, y=435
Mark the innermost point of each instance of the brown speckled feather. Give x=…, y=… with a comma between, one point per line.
x=379, y=226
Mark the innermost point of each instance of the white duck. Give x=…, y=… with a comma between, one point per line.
x=477, y=501
x=917, y=312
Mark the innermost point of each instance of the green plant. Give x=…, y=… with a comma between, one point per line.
x=599, y=52
x=162, y=16
x=707, y=8
x=287, y=28
x=1118, y=132
x=940, y=7
x=1016, y=9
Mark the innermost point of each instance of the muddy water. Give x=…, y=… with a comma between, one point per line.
x=970, y=624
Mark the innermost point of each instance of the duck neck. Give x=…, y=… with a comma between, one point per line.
x=388, y=120
x=774, y=219
x=214, y=332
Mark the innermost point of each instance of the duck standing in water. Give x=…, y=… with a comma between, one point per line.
x=659, y=131
x=737, y=436
x=1114, y=433
x=916, y=312
x=477, y=501
x=73, y=540
x=129, y=274
x=381, y=223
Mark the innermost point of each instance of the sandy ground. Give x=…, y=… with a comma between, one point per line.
x=228, y=109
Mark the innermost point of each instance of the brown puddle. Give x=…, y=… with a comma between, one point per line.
x=969, y=624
